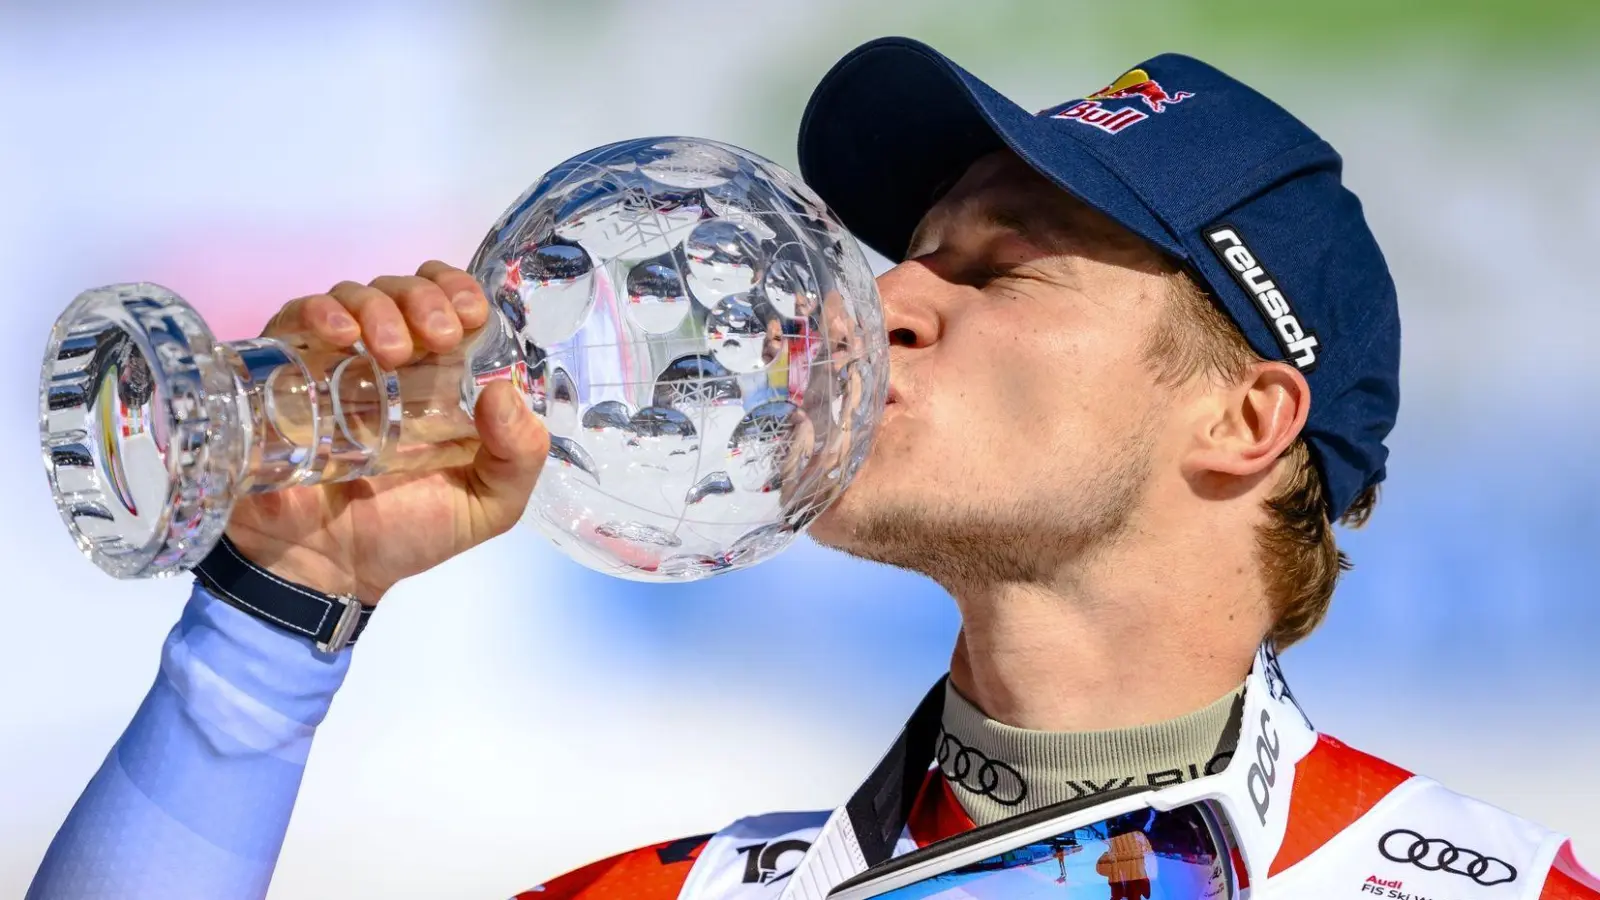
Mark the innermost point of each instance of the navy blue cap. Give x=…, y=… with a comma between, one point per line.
x=1206, y=169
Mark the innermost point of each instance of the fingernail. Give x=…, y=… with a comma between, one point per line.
x=389, y=336
x=508, y=410
x=463, y=301
x=440, y=323
x=341, y=322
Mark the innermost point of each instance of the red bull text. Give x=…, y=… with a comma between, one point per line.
x=1134, y=84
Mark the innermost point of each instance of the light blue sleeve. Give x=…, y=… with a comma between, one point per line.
x=194, y=799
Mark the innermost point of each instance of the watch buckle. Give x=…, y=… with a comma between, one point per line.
x=345, y=628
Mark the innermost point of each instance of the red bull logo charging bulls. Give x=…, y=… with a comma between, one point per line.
x=1135, y=84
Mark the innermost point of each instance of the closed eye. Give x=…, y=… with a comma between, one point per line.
x=982, y=273
x=993, y=272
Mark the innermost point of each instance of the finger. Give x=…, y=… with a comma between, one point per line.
x=465, y=294
x=433, y=322
x=319, y=316
x=383, y=328
x=511, y=453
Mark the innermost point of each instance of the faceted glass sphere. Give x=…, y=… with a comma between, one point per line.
x=707, y=350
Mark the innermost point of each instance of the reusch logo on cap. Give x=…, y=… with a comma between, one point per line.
x=1133, y=83
x=1298, y=343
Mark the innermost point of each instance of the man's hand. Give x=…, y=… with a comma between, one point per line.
x=363, y=536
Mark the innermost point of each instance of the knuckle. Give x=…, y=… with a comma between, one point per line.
x=387, y=285
x=275, y=324
x=376, y=300
x=321, y=303
x=364, y=299
x=466, y=284
x=455, y=281
x=424, y=296
x=296, y=315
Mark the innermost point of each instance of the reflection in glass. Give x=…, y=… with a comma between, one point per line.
x=1143, y=855
x=710, y=353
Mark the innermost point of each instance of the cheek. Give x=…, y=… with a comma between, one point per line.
x=1026, y=372
x=1041, y=384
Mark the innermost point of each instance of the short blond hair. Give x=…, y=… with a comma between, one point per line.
x=1300, y=560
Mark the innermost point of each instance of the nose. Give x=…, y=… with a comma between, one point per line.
x=910, y=312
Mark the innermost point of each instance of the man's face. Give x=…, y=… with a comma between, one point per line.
x=1023, y=421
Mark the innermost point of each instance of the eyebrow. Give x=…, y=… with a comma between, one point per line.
x=1011, y=221
x=1049, y=231
x=1046, y=227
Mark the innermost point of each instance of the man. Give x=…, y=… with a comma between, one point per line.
x=1144, y=352
x=1061, y=851
x=1123, y=866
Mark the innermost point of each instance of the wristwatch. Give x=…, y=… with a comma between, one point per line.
x=333, y=621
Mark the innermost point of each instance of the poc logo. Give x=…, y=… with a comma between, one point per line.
x=1299, y=345
x=1263, y=776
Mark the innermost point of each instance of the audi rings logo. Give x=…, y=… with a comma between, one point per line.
x=978, y=773
x=1438, y=855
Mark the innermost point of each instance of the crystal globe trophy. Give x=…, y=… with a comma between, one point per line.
x=701, y=337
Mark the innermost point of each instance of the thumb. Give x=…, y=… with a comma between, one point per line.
x=512, y=447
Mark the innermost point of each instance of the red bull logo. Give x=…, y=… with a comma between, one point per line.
x=1138, y=83
x=1135, y=83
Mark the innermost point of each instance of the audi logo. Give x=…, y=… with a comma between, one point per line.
x=978, y=773
x=1403, y=845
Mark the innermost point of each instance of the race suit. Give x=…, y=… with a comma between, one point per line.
x=194, y=801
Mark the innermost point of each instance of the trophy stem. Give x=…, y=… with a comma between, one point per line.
x=151, y=428
x=312, y=416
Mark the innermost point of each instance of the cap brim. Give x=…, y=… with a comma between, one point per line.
x=895, y=122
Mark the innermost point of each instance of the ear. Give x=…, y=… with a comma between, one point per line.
x=1243, y=429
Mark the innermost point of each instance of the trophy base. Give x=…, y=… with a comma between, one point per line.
x=141, y=431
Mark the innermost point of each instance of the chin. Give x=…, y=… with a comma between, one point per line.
x=833, y=527
x=879, y=495
x=842, y=522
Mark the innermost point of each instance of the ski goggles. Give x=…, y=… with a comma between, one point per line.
x=1205, y=839
x=1122, y=845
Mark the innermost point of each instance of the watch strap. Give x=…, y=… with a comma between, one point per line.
x=332, y=621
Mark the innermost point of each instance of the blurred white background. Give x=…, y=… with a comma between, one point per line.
x=511, y=715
